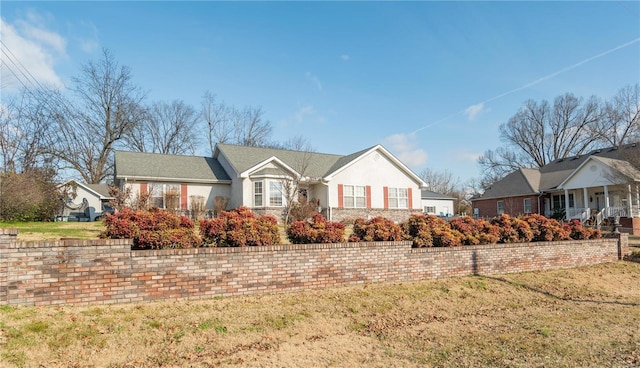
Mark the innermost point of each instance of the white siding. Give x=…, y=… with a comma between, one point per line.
x=443, y=206
x=375, y=170
x=592, y=174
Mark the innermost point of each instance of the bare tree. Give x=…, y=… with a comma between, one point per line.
x=217, y=117
x=107, y=107
x=227, y=124
x=169, y=128
x=24, y=126
x=295, y=188
x=439, y=181
x=620, y=121
x=540, y=133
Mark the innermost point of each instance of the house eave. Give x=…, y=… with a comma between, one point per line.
x=171, y=179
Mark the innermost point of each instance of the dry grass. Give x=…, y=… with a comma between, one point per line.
x=585, y=317
x=37, y=231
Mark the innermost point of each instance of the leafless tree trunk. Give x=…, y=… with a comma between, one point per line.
x=108, y=107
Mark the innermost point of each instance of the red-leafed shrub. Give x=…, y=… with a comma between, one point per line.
x=376, y=229
x=239, y=228
x=431, y=231
x=317, y=231
x=155, y=229
x=546, y=229
x=475, y=232
x=512, y=229
x=579, y=232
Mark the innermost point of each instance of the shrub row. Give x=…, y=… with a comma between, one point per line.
x=157, y=229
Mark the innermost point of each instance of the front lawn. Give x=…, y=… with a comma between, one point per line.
x=35, y=231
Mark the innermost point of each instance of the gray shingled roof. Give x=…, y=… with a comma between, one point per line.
x=102, y=189
x=141, y=165
x=550, y=176
x=319, y=164
x=427, y=194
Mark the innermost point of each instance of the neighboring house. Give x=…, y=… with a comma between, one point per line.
x=366, y=183
x=436, y=203
x=83, y=202
x=591, y=187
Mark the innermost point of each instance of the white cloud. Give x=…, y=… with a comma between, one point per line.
x=404, y=147
x=345, y=57
x=473, y=111
x=28, y=48
x=304, y=115
x=467, y=157
x=314, y=79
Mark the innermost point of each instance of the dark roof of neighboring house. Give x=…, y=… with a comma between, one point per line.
x=318, y=165
x=427, y=194
x=154, y=166
x=550, y=176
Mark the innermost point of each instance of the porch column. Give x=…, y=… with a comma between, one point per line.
x=566, y=204
x=637, y=201
x=585, y=196
x=606, y=201
x=629, y=202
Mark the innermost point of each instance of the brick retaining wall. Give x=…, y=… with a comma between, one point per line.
x=107, y=271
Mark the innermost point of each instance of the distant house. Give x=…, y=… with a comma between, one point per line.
x=591, y=187
x=436, y=203
x=366, y=183
x=83, y=202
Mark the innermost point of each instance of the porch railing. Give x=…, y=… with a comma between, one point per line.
x=581, y=214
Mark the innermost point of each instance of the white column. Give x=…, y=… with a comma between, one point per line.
x=566, y=204
x=629, y=202
x=585, y=195
x=606, y=201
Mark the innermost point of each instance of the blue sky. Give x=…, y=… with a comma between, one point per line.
x=431, y=81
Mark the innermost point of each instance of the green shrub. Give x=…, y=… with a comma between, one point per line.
x=240, y=228
x=376, y=229
x=318, y=230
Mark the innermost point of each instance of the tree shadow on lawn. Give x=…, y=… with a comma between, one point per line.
x=551, y=295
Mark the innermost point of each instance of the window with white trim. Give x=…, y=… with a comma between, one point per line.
x=500, y=207
x=527, y=205
x=430, y=210
x=257, y=194
x=275, y=194
x=164, y=196
x=398, y=198
x=355, y=196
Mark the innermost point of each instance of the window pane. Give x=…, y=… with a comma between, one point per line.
x=275, y=193
x=360, y=202
x=348, y=190
x=360, y=191
x=349, y=202
x=257, y=194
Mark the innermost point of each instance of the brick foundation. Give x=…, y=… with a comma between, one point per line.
x=107, y=271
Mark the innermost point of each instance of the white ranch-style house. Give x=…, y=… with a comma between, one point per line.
x=371, y=182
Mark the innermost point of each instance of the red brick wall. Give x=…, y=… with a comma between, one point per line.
x=512, y=206
x=107, y=271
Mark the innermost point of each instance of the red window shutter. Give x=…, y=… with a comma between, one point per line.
x=144, y=188
x=184, y=204
x=368, y=196
x=340, y=196
x=410, y=199
x=385, y=193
